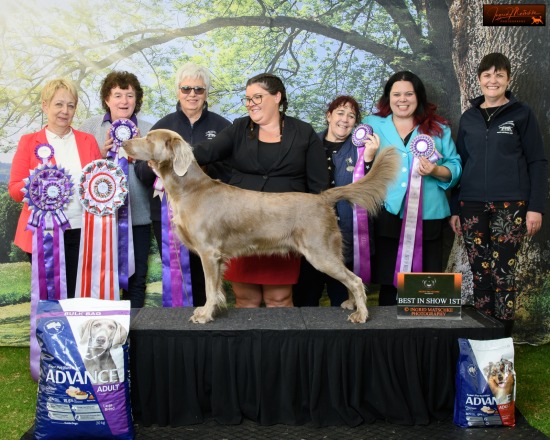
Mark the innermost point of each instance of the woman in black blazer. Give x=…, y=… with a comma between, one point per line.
x=269, y=152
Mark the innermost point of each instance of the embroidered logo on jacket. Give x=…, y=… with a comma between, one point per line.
x=211, y=134
x=506, y=128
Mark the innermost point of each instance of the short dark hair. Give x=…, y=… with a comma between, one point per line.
x=272, y=84
x=496, y=60
x=124, y=80
x=341, y=101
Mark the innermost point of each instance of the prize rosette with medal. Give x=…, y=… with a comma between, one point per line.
x=424, y=146
x=102, y=191
x=48, y=191
x=123, y=130
x=361, y=242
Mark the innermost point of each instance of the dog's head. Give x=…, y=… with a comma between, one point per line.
x=160, y=147
x=499, y=370
x=102, y=334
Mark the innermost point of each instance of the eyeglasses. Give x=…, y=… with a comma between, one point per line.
x=256, y=100
x=187, y=89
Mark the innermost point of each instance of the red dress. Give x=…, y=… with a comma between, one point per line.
x=264, y=269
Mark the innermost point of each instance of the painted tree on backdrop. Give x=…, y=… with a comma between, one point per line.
x=320, y=47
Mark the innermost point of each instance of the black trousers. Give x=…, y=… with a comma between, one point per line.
x=137, y=282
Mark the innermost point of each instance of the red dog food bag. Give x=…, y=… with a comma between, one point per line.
x=83, y=388
x=485, y=383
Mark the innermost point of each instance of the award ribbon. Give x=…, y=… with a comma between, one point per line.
x=123, y=130
x=361, y=243
x=176, y=271
x=102, y=191
x=409, y=255
x=48, y=191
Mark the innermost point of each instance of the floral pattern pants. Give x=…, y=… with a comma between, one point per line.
x=493, y=233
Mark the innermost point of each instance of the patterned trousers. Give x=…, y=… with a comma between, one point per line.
x=493, y=233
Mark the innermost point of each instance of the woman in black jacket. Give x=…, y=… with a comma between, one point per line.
x=267, y=151
x=503, y=188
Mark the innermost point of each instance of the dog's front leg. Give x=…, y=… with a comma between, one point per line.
x=215, y=297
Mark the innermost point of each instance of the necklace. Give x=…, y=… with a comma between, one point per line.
x=489, y=116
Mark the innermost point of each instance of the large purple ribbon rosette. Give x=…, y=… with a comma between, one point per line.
x=409, y=255
x=361, y=243
x=123, y=130
x=48, y=191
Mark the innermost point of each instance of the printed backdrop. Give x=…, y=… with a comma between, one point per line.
x=321, y=48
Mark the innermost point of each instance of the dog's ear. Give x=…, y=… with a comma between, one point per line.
x=183, y=156
x=120, y=336
x=85, y=331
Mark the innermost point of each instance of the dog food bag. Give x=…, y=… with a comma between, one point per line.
x=83, y=388
x=485, y=383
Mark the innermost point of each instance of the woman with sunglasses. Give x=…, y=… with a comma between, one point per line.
x=195, y=123
x=268, y=151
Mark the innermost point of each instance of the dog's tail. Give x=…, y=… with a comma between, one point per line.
x=370, y=191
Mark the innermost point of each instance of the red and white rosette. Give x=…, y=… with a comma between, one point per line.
x=102, y=190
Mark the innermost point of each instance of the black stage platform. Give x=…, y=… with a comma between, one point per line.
x=293, y=366
x=379, y=430
x=301, y=374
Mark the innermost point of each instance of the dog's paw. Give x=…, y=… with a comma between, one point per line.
x=201, y=316
x=359, y=317
x=348, y=304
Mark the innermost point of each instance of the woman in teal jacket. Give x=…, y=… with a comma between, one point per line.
x=404, y=113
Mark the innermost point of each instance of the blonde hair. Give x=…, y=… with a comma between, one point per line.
x=54, y=85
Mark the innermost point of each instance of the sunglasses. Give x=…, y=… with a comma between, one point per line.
x=187, y=89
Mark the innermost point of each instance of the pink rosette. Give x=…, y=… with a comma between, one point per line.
x=360, y=133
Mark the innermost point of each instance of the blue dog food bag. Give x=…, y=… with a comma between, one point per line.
x=485, y=383
x=83, y=388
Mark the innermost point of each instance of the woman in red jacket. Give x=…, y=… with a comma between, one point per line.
x=72, y=150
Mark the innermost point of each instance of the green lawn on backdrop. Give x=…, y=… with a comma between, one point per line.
x=18, y=391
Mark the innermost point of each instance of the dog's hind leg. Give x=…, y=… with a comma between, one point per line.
x=335, y=268
x=212, y=264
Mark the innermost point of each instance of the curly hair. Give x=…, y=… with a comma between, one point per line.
x=124, y=80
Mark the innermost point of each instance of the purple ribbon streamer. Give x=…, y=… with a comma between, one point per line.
x=361, y=243
x=176, y=273
x=417, y=250
x=123, y=232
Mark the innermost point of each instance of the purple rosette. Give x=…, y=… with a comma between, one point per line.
x=44, y=152
x=360, y=133
x=48, y=191
x=122, y=130
x=424, y=146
